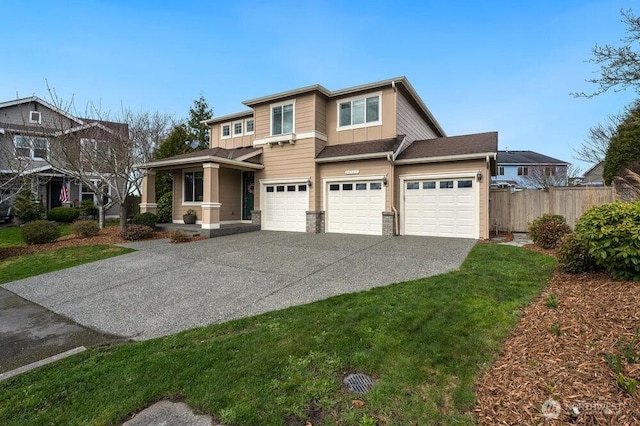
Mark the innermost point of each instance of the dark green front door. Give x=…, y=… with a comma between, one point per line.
x=248, y=189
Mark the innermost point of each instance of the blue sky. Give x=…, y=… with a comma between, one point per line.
x=506, y=66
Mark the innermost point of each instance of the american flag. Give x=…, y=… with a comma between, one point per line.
x=64, y=191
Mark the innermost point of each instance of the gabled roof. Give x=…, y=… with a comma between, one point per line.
x=236, y=156
x=477, y=145
x=359, y=150
x=41, y=102
x=229, y=117
x=526, y=157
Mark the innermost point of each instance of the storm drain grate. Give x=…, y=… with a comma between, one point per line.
x=358, y=382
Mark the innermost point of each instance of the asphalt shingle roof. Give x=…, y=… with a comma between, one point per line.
x=478, y=143
x=360, y=148
x=525, y=157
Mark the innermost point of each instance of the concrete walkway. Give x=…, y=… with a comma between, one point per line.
x=164, y=288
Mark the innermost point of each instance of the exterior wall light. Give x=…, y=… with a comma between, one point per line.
x=309, y=182
x=479, y=175
x=384, y=181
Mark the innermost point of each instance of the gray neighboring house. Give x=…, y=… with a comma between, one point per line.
x=593, y=176
x=28, y=128
x=515, y=166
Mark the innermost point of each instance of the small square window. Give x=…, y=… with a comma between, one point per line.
x=35, y=117
x=361, y=186
x=375, y=185
x=334, y=187
x=347, y=186
x=302, y=188
x=269, y=188
x=280, y=188
x=465, y=184
x=413, y=185
x=237, y=128
x=429, y=185
x=291, y=188
x=249, y=126
x=446, y=184
x=226, y=130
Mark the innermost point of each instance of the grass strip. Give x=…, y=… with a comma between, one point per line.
x=425, y=342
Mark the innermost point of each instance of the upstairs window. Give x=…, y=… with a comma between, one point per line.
x=31, y=147
x=523, y=171
x=549, y=171
x=237, y=128
x=35, y=117
x=501, y=171
x=282, y=119
x=248, y=126
x=225, y=131
x=359, y=111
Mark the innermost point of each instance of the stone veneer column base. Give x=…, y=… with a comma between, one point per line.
x=315, y=222
x=388, y=222
x=256, y=217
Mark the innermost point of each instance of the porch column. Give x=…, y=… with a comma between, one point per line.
x=211, y=197
x=148, y=196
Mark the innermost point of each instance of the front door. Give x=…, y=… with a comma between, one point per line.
x=248, y=190
x=54, y=193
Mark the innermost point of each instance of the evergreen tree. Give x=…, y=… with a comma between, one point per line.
x=175, y=144
x=198, y=112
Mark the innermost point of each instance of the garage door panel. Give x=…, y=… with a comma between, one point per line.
x=441, y=207
x=355, y=207
x=285, y=207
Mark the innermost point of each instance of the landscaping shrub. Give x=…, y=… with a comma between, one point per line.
x=88, y=208
x=179, y=237
x=136, y=232
x=147, y=219
x=63, y=214
x=164, y=208
x=547, y=230
x=85, y=228
x=40, y=232
x=26, y=207
x=573, y=255
x=611, y=233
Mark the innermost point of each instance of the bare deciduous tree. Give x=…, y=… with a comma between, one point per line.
x=547, y=176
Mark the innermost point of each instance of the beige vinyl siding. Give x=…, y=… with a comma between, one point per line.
x=365, y=168
x=232, y=142
x=452, y=167
x=321, y=114
x=230, y=194
x=303, y=120
x=410, y=123
x=386, y=130
x=178, y=209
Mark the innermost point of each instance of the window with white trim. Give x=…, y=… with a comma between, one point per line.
x=35, y=117
x=523, y=171
x=359, y=112
x=31, y=146
x=248, y=126
x=282, y=119
x=87, y=193
x=501, y=171
x=193, y=187
x=225, y=131
x=237, y=128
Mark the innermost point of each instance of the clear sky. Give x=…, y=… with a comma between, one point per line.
x=506, y=66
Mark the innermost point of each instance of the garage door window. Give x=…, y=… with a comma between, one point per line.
x=361, y=186
x=446, y=184
x=291, y=188
x=465, y=184
x=428, y=185
x=302, y=188
x=347, y=186
x=280, y=188
x=375, y=185
x=334, y=187
x=413, y=185
x=269, y=188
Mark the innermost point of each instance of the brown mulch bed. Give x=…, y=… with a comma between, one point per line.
x=559, y=353
x=109, y=236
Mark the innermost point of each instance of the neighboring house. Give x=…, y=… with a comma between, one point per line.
x=593, y=176
x=369, y=159
x=522, y=169
x=31, y=132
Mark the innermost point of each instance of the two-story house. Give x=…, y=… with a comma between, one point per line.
x=525, y=169
x=37, y=139
x=369, y=159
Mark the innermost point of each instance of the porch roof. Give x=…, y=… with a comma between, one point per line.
x=237, y=157
x=380, y=148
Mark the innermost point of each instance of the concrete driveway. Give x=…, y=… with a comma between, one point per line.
x=164, y=288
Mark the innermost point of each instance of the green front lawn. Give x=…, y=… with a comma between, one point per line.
x=11, y=236
x=426, y=342
x=29, y=265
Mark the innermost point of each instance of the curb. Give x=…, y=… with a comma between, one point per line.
x=33, y=365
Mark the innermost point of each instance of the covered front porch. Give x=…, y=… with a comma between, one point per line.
x=217, y=185
x=196, y=230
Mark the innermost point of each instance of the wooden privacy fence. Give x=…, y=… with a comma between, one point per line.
x=513, y=211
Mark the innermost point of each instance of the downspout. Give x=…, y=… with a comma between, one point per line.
x=392, y=181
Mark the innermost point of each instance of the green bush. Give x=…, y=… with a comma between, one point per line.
x=40, y=232
x=573, y=255
x=26, y=207
x=136, y=232
x=165, y=208
x=63, y=214
x=85, y=228
x=147, y=219
x=547, y=230
x=88, y=208
x=611, y=232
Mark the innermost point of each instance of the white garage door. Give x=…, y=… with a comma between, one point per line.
x=441, y=207
x=285, y=207
x=355, y=207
